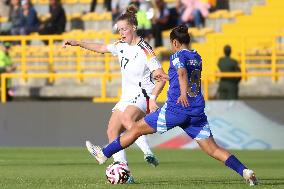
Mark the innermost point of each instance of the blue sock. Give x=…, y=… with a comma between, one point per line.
x=235, y=164
x=112, y=148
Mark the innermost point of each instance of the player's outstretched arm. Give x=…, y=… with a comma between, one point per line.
x=100, y=48
x=183, y=83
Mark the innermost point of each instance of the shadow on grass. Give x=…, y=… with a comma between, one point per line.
x=47, y=164
x=185, y=181
x=189, y=181
x=272, y=182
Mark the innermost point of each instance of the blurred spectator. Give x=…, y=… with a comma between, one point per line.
x=93, y=5
x=77, y=23
x=14, y=18
x=222, y=4
x=7, y=2
x=107, y=5
x=6, y=66
x=212, y=4
x=4, y=8
x=118, y=7
x=160, y=21
x=194, y=12
x=228, y=86
x=29, y=19
x=3, y=12
x=56, y=23
x=179, y=9
x=144, y=28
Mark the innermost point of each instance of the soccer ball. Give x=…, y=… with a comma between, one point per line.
x=117, y=173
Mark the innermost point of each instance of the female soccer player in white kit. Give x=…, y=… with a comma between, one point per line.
x=184, y=108
x=138, y=64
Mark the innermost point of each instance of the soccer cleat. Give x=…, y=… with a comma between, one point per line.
x=250, y=177
x=96, y=152
x=151, y=159
x=130, y=180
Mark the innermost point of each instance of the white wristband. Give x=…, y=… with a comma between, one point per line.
x=153, y=97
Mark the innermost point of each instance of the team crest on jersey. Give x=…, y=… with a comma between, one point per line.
x=175, y=61
x=177, y=64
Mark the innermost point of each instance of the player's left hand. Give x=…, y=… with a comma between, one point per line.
x=182, y=99
x=153, y=105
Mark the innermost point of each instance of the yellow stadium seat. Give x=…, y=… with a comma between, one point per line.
x=43, y=1
x=77, y=15
x=44, y=17
x=3, y=19
x=87, y=17
x=213, y=16
x=225, y=14
x=237, y=12
x=69, y=1
x=106, y=16
x=170, y=1
x=85, y=1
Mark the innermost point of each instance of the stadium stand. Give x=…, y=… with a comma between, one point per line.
x=259, y=50
x=248, y=34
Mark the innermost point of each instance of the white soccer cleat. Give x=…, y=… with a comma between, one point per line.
x=96, y=152
x=250, y=177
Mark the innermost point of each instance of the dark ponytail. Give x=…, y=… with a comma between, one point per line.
x=180, y=33
x=129, y=15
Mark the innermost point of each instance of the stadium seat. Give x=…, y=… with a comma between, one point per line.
x=3, y=19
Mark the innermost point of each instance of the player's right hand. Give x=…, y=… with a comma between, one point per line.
x=153, y=105
x=182, y=99
x=70, y=42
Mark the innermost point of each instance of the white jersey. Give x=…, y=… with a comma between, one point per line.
x=137, y=62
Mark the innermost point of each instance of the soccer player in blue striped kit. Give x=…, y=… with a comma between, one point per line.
x=184, y=108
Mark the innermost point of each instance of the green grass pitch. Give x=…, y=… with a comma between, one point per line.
x=35, y=168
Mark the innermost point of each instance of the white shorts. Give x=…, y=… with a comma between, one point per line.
x=139, y=101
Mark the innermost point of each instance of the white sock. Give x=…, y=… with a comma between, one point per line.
x=143, y=144
x=120, y=156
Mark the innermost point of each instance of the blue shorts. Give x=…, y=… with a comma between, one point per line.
x=166, y=118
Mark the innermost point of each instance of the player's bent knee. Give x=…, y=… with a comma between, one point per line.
x=143, y=128
x=208, y=146
x=135, y=131
x=112, y=132
x=126, y=122
x=109, y=132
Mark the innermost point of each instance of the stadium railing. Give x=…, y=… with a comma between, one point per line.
x=23, y=55
x=252, y=54
x=52, y=76
x=265, y=59
x=105, y=76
